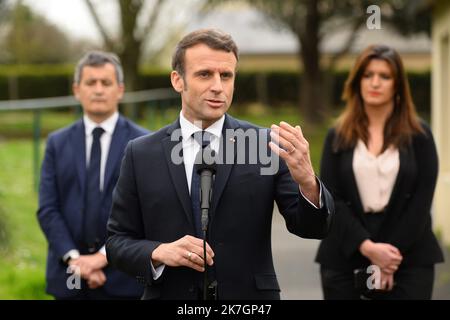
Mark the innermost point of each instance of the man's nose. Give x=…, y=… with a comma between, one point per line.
x=98, y=87
x=217, y=86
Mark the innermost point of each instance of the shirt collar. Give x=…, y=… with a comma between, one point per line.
x=108, y=125
x=188, y=128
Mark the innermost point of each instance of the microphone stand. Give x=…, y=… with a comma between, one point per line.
x=205, y=273
x=206, y=172
x=204, y=206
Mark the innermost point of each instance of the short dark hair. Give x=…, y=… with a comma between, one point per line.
x=213, y=38
x=99, y=58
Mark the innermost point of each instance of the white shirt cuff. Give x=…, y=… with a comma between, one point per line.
x=156, y=273
x=71, y=253
x=102, y=251
x=320, y=196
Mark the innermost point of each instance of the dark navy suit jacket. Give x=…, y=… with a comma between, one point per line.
x=61, y=200
x=151, y=205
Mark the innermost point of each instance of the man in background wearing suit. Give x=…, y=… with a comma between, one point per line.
x=79, y=172
x=153, y=230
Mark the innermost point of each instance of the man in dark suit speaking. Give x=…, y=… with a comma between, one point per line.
x=154, y=230
x=79, y=172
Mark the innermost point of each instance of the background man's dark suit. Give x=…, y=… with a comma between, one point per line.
x=151, y=205
x=61, y=199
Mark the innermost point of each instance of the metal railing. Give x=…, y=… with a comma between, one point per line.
x=154, y=99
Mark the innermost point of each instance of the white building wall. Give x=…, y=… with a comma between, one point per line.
x=440, y=116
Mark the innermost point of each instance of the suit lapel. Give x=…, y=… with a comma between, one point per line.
x=78, y=143
x=224, y=169
x=118, y=144
x=395, y=194
x=177, y=171
x=355, y=198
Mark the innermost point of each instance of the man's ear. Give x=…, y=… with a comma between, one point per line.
x=121, y=91
x=76, y=90
x=177, y=81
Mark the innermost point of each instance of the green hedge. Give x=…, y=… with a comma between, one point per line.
x=284, y=88
x=275, y=88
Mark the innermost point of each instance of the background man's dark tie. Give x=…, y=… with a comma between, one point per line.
x=93, y=193
x=203, y=138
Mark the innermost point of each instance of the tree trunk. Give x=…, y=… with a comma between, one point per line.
x=130, y=50
x=130, y=64
x=312, y=86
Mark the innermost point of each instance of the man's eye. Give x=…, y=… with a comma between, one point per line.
x=226, y=76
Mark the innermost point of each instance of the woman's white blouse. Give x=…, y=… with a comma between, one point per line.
x=375, y=176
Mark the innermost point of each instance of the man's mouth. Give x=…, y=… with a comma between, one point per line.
x=215, y=103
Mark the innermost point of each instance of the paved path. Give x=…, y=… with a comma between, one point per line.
x=442, y=279
x=298, y=274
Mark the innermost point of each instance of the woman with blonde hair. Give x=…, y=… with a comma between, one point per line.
x=381, y=165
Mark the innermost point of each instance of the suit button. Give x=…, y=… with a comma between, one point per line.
x=191, y=289
x=140, y=280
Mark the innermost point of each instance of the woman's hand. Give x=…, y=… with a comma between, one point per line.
x=384, y=255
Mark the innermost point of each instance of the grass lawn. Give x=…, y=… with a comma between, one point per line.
x=22, y=262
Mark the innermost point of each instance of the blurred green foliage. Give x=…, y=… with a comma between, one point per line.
x=32, y=39
x=4, y=230
x=22, y=263
x=272, y=88
x=43, y=70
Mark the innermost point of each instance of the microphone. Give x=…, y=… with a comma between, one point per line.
x=206, y=170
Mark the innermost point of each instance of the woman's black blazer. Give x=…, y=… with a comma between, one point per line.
x=407, y=224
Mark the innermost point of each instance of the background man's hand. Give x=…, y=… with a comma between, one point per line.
x=96, y=279
x=87, y=264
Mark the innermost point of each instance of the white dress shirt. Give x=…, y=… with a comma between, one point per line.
x=105, y=140
x=191, y=147
x=375, y=176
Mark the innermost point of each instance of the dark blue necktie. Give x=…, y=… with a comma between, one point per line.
x=203, y=138
x=93, y=193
